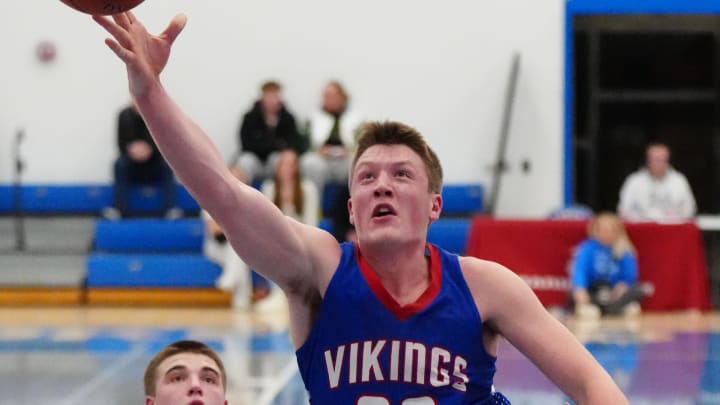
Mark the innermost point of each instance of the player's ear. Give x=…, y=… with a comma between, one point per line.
x=436, y=204
x=351, y=214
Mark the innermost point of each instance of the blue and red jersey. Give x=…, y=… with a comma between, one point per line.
x=366, y=349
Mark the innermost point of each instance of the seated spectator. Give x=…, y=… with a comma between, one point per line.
x=297, y=198
x=333, y=130
x=235, y=276
x=139, y=162
x=604, y=274
x=185, y=372
x=266, y=129
x=656, y=192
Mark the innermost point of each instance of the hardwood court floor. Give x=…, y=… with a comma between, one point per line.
x=97, y=355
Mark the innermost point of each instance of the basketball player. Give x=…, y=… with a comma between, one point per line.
x=185, y=372
x=391, y=319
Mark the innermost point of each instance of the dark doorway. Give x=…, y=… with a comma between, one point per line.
x=641, y=79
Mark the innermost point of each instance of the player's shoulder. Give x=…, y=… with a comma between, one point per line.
x=323, y=254
x=485, y=274
x=476, y=264
x=493, y=286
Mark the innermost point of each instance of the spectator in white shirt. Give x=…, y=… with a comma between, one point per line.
x=657, y=192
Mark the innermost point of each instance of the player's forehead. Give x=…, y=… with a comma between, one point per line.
x=394, y=154
x=187, y=360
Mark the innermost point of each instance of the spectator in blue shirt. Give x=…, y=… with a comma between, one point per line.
x=604, y=271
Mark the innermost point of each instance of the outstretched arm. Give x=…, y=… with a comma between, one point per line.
x=509, y=306
x=282, y=249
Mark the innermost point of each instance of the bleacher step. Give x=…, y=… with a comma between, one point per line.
x=149, y=235
x=49, y=271
x=49, y=234
x=40, y=296
x=144, y=297
x=151, y=271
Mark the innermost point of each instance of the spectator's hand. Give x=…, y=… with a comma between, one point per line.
x=144, y=55
x=618, y=291
x=213, y=227
x=139, y=151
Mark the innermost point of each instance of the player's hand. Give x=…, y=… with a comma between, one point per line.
x=145, y=55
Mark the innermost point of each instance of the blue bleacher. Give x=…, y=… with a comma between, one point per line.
x=153, y=252
x=326, y=224
x=6, y=198
x=41, y=198
x=150, y=252
x=462, y=199
x=151, y=270
x=186, y=235
x=149, y=235
x=450, y=234
x=458, y=199
x=329, y=195
x=87, y=198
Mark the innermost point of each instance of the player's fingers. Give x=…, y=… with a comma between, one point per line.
x=105, y=23
x=122, y=53
x=122, y=20
x=131, y=17
x=115, y=30
x=175, y=27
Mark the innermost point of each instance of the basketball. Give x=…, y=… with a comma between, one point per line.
x=102, y=7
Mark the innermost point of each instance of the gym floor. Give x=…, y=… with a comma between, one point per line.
x=74, y=356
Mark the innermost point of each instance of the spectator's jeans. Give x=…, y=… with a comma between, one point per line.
x=153, y=172
x=599, y=295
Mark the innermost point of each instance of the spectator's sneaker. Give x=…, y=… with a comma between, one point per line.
x=174, y=213
x=259, y=293
x=587, y=311
x=227, y=281
x=273, y=301
x=111, y=213
x=632, y=309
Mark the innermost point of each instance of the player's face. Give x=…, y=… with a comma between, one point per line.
x=188, y=379
x=390, y=198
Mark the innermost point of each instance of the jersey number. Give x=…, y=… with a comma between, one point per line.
x=372, y=400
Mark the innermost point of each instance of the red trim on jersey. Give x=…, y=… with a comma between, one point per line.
x=403, y=312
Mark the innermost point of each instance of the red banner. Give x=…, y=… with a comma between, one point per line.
x=671, y=257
